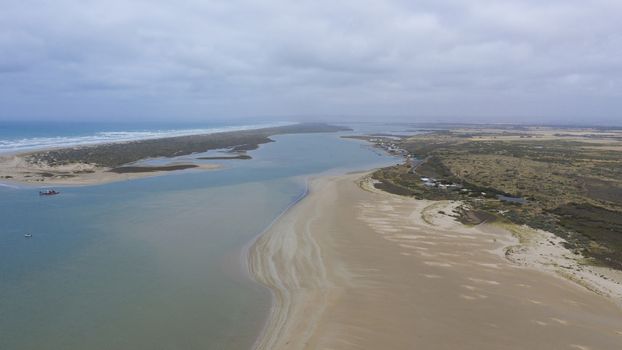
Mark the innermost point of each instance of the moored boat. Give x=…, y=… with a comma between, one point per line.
x=48, y=193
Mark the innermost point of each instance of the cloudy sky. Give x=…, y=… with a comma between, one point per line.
x=429, y=60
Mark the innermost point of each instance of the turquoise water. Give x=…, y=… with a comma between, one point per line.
x=153, y=263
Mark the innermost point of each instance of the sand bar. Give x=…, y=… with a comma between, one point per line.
x=356, y=269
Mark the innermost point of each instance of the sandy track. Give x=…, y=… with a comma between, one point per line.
x=352, y=269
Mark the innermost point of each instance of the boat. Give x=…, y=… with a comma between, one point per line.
x=28, y=235
x=48, y=193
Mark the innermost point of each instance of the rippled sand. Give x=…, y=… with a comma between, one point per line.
x=356, y=269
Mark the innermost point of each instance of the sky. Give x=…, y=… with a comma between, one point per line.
x=557, y=61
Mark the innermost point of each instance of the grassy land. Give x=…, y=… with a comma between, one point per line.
x=241, y=156
x=571, y=179
x=151, y=169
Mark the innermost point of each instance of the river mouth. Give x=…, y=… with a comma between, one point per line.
x=154, y=262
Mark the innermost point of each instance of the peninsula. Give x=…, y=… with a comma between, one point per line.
x=110, y=162
x=353, y=267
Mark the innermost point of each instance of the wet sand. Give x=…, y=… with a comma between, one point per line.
x=357, y=269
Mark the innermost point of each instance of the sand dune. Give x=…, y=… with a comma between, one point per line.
x=355, y=269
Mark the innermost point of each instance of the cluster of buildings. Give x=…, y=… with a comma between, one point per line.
x=430, y=182
x=389, y=146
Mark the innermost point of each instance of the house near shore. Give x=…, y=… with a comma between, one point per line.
x=444, y=185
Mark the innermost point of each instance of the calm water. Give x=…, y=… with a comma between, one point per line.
x=153, y=263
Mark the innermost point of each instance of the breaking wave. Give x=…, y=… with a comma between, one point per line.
x=36, y=143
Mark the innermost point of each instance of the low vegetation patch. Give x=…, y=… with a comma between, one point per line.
x=568, y=183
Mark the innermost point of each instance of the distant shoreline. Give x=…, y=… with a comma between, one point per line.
x=102, y=163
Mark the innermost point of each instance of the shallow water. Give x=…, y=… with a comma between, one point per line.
x=153, y=263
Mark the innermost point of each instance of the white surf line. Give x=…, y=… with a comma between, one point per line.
x=104, y=137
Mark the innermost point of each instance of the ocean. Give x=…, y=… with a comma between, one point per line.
x=18, y=136
x=155, y=263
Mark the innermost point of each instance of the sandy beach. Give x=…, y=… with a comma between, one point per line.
x=14, y=168
x=352, y=268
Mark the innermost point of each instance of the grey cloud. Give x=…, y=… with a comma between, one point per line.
x=453, y=59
